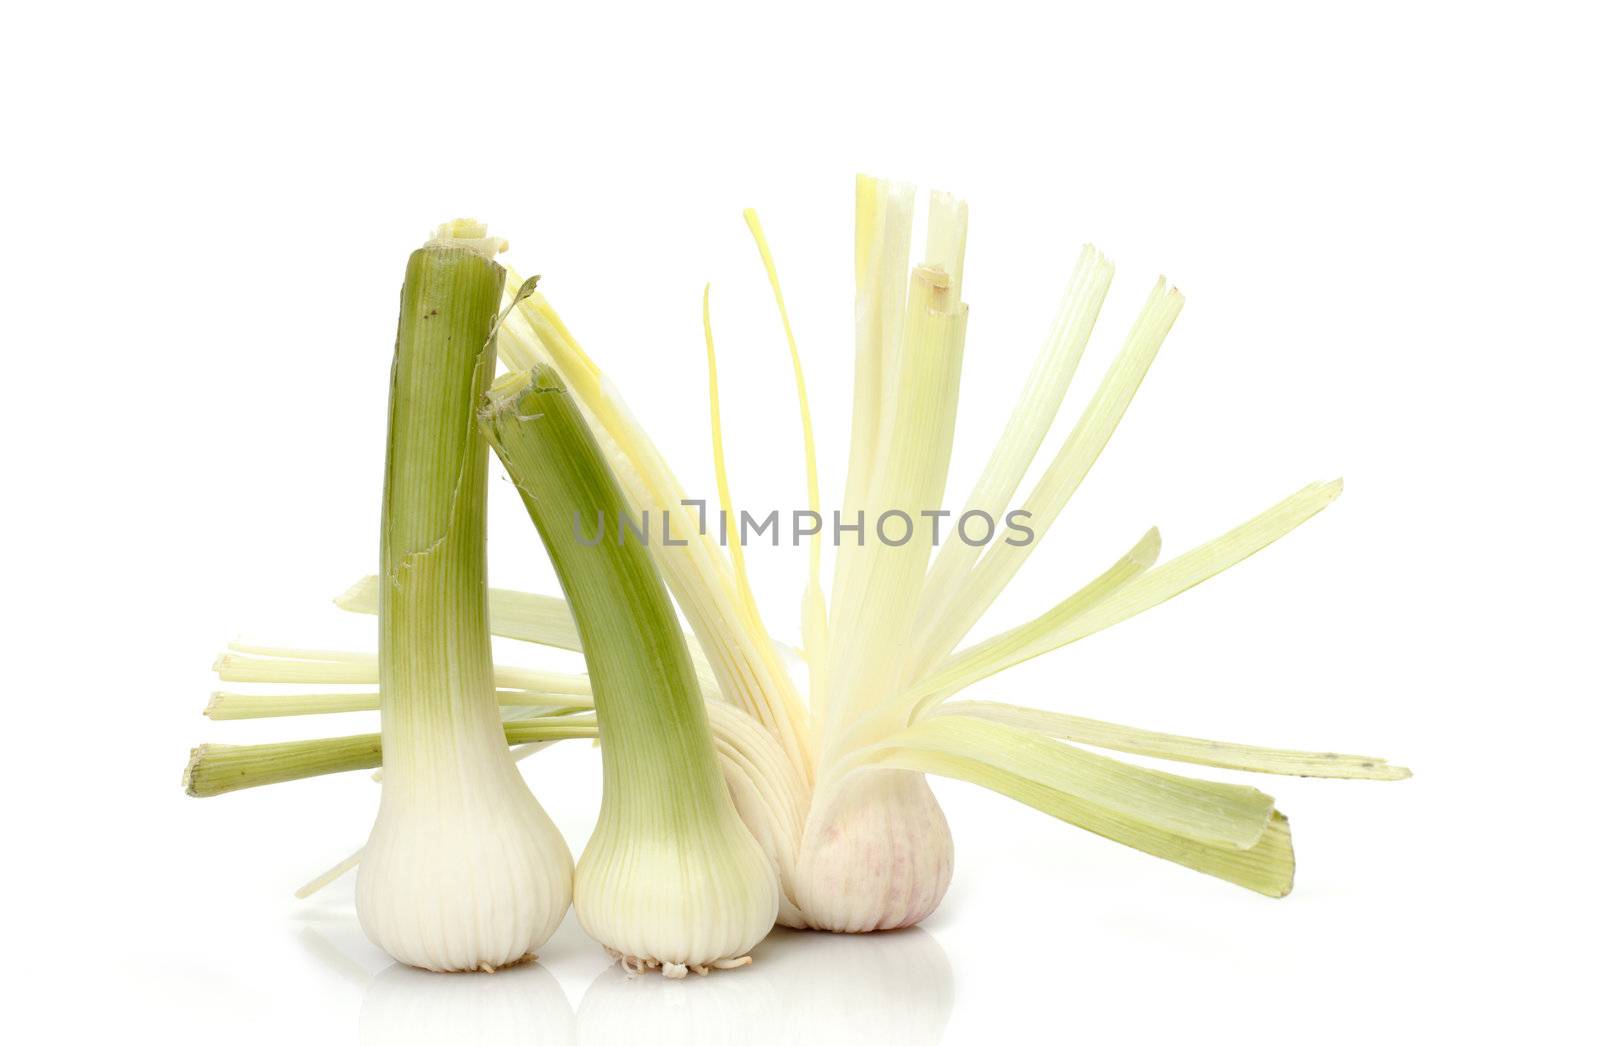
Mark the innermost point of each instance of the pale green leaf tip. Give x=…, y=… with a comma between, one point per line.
x=510, y=383
x=1148, y=550
x=356, y=593
x=468, y=234
x=529, y=287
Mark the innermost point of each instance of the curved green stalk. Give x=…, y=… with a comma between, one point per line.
x=671, y=875
x=749, y=670
x=645, y=693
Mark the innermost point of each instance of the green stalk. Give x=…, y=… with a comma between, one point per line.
x=666, y=812
x=652, y=714
x=435, y=668
x=216, y=769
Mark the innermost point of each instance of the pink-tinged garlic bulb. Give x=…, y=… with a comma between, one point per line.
x=876, y=856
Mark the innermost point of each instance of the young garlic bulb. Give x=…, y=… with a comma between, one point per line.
x=464, y=870
x=877, y=855
x=671, y=878
x=690, y=895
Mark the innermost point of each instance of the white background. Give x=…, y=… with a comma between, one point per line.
x=1383, y=216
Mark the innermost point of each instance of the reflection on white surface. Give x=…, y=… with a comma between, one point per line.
x=326, y=953
x=884, y=989
x=724, y=1007
x=523, y=1004
x=890, y=988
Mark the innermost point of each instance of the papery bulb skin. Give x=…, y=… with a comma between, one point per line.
x=466, y=873
x=685, y=896
x=877, y=855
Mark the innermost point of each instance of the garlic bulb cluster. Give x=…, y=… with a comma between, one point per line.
x=730, y=801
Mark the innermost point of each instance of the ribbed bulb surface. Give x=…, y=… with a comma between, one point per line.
x=470, y=874
x=682, y=895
